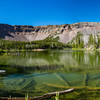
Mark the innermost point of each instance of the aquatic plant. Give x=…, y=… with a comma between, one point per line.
x=26, y=96
x=57, y=96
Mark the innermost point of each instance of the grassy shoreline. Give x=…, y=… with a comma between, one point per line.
x=47, y=49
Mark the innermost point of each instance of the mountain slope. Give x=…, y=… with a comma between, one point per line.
x=66, y=33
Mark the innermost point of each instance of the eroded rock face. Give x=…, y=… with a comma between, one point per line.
x=65, y=32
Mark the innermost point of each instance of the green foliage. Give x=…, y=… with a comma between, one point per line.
x=48, y=43
x=92, y=41
x=26, y=96
x=77, y=42
x=98, y=44
x=57, y=96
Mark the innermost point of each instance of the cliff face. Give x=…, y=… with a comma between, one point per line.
x=65, y=32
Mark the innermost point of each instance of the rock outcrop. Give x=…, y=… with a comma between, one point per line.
x=65, y=32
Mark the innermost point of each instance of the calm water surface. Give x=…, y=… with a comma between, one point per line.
x=37, y=73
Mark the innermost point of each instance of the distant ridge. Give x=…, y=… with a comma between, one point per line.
x=65, y=32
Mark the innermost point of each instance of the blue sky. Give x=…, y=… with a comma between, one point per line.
x=49, y=12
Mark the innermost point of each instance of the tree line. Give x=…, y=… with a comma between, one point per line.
x=48, y=43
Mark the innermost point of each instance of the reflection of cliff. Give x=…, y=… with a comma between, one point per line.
x=40, y=59
x=53, y=58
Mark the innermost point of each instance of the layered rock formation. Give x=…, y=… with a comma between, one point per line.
x=65, y=32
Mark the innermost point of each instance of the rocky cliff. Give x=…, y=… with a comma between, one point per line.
x=65, y=32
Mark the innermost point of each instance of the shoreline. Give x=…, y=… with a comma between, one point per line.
x=40, y=50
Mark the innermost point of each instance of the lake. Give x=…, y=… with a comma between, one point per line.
x=41, y=72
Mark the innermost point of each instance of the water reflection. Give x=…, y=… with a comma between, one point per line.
x=42, y=72
x=66, y=58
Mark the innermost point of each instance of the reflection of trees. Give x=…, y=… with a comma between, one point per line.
x=87, y=59
x=78, y=56
x=31, y=58
x=61, y=70
x=12, y=69
x=50, y=60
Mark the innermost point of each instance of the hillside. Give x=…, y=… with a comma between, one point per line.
x=84, y=33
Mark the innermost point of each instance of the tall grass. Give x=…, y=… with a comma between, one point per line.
x=57, y=96
x=26, y=96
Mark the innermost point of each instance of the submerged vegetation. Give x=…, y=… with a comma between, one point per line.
x=81, y=94
x=79, y=70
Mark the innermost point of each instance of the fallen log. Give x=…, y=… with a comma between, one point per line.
x=45, y=96
x=48, y=95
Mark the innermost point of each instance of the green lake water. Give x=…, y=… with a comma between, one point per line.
x=41, y=72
